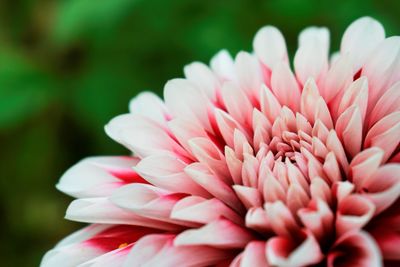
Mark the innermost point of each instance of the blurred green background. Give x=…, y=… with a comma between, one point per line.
x=67, y=67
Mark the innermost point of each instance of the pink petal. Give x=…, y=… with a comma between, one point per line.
x=203, y=78
x=383, y=187
x=234, y=165
x=248, y=72
x=222, y=64
x=281, y=219
x=342, y=189
x=142, y=135
x=200, y=210
x=311, y=58
x=101, y=210
x=167, y=172
x=360, y=39
x=70, y=251
x=285, y=87
x=146, y=248
x=250, y=197
x=355, y=95
x=115, y=258
x=185, y=101
x=98, y=176
x=257, y=219
x=339, y=76
x=201, y=175
x=349, y=130
x=388, y=103
x=296, y=198
x=269, y=104
x=149, y=105
x=333, y=144
x=355, y=249
x=385, y=134
x=331, y=168
x=183, y=131
x=282, y=251
x=320, y=189
x=237, y=103
x=148, y=201
x=383, y=68
x=171, y=255
x=364, y=165
x=318, y=218
x=221, y=233
x=209, y=155
x=353, y=213
x=270, y=47
x=253, y=255
x=313, y=106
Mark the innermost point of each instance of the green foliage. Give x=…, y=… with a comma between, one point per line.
x=24, y=89
x=67, y=67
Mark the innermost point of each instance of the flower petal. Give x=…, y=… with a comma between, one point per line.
x=221, y=233
x=98, y=176
x=360, y=39
x=355, y=249
x=270, y=47
x=311, y=58
x=282, y=251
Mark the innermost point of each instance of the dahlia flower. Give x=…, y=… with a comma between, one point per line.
x=247, y=162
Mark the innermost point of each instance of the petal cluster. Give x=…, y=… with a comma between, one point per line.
x=247, y=162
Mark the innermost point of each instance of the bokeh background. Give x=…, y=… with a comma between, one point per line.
x=67, y=67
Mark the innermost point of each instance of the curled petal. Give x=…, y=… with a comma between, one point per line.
x=282, y=251
x=354, y=212
x=355, y=249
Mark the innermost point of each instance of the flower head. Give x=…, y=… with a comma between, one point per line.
x=248, y=163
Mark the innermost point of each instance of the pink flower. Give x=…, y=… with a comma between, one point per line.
x=246, y=163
